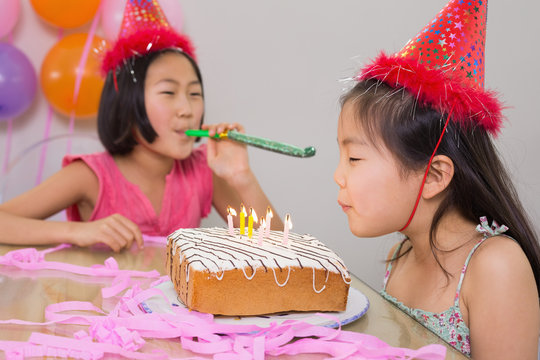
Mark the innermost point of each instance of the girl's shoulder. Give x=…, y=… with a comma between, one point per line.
x=90, y=159
x=80, y=173
x=497, y=254
x=500, y=298
x=498, y=267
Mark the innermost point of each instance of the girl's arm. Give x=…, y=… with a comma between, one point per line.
x=234, y=182
x=21, y=219
x=502, y=302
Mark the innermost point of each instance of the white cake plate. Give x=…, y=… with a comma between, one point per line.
x=357, y=305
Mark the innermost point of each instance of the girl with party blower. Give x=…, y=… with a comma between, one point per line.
x=151, y=180
x=417, y=156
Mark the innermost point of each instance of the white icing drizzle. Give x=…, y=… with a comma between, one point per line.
x=215, y=251
x=220, y=277
x=325, y=281
x=252, y=275
x=286, y=280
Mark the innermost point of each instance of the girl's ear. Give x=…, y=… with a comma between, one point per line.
x=439, y=176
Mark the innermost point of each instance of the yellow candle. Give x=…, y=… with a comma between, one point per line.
x=243, y=220
x=252, y=217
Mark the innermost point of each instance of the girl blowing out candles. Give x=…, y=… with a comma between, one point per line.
x=151, y=180
x=417, y=156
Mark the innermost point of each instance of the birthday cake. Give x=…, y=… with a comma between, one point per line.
x=219, y=273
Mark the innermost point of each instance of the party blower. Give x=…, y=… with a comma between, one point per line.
x=262, y=143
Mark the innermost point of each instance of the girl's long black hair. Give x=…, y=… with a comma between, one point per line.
x=481, y=185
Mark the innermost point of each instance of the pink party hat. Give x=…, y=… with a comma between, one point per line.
x=144, y=29
x=443, y=66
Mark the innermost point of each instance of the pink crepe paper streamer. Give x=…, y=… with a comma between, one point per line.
x=47, y=131
x=7, y=151
x=78, y=80
x=84, y=55
x=43, y=154
x=123, y=330
x=161, y=240
x=124, y=335
x=32, y=259
x=9, y=126
x=96, y=349
x=80, y=70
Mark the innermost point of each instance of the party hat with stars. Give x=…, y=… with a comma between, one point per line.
x=443, y=66
x=144, y=30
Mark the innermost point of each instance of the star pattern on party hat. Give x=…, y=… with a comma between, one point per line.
x=454, y=40
x=443, y=66
x=145, y=29
x=142, y=13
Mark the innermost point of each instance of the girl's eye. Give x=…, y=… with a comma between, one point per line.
x=196, y=93
x=351, y=159
x=168, y=92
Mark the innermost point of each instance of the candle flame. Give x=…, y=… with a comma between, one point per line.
x=269, y=212
x=253, y=214
x=231, y=211
x=263, y=223
x=288, y=221
x=243, y=210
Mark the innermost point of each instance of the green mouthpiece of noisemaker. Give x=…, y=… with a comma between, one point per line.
x=259, y=142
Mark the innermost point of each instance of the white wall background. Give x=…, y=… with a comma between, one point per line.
x=275, y=66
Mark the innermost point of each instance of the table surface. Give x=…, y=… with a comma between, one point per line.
x=25, y=294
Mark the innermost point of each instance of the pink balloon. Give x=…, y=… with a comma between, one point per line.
x=113, y=12
x=9, y=13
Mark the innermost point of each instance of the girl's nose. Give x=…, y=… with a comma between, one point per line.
x=183, y=107
x=339, y=178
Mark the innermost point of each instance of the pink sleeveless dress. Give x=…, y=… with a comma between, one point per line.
x=187, y=197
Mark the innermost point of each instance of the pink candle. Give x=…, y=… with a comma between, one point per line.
x=287, y=224
x=262, y=228
x=230, y=213
x=268, y=221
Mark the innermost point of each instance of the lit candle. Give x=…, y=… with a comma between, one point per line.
x=287, y=225
x=252, y=217
x=243, y=214
x=262, y=227
x=230, y=213
x=269, y=216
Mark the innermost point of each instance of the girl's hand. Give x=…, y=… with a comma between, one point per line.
x=115, y=231
x=228, y=159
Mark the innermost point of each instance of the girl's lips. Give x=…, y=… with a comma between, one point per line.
x=181, y=133
x=344, y=207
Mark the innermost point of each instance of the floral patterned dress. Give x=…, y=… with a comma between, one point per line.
x=449, y=324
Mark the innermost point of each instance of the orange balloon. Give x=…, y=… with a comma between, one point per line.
x=66, y=13
x=59, y=75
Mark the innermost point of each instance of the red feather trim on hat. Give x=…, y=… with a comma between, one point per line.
x=145, y=41
x=434, y=87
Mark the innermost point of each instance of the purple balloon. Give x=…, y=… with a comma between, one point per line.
x=17, y=82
